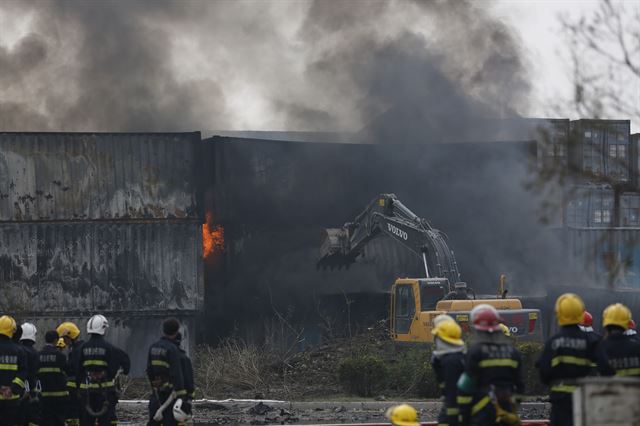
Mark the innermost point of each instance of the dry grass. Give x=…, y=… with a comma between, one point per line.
x=233, y=367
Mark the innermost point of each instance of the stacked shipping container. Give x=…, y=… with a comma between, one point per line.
x=101, y=223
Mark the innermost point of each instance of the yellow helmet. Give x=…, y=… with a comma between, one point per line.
x=403, y=415
x=68, y=329
x=449, y=331
x=61, y=344
x=616, y=314
x=569, y=309
x=7, y=326
x=505, y=330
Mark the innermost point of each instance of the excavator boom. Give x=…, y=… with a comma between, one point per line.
x=386, y=215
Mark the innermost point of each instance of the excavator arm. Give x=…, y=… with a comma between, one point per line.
x=386, y=215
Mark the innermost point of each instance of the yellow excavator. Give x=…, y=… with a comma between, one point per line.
x=415, y=302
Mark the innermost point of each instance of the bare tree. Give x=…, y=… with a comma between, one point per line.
x=605, y=54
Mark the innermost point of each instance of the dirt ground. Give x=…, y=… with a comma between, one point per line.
x=252, y=412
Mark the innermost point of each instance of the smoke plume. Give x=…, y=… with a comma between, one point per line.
x=318, y=66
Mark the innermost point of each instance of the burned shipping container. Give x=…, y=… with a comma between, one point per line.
x=101, y=223
x=96, y=176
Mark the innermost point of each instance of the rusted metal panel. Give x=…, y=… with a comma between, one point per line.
x=80, y=176
x=134, y=334
x=100, y=266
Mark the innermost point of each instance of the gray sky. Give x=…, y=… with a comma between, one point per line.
x=538, y=24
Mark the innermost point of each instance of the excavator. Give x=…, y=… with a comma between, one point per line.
x=415, y=302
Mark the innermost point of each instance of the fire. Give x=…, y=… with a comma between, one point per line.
x=212, y=238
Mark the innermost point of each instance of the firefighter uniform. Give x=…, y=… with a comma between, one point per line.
x=13, y=372
x=54, y=395
x=73, y=406
x=448, y=365
x=623, y=353
x=165, y=373
x=187, y=374
x=98, y=365
x=567, y=356
x=492, y=379
x=495, y=368
x=69, y=336
x=30, y=410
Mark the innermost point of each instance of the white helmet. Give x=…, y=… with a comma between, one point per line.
x=178, y=414
x=28, y=332
x=440, y=318
x=97, y=324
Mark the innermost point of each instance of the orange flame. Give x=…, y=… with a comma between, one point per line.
x=212, y=238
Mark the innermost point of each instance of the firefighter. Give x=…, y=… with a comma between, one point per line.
x=13, y=372
x=623, y=353
x=29, y=406
x=187, y=373
x=166, y=376
x=492, y=382
x=54, y=395
x=447, y=362
x=567, y=356
x=587, y=326
x=403, y=415
x=70, y=335
x=98, y=365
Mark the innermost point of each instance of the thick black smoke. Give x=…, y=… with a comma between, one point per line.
x=324, y=66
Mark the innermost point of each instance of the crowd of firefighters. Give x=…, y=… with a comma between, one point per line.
x=483, y=385
x=74, y=382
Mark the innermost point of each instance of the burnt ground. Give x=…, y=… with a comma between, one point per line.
x=252, y=412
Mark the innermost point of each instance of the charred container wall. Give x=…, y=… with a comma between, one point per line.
x=273, y=199
x=101, y=223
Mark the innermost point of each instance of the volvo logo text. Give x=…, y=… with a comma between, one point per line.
x=397, y=231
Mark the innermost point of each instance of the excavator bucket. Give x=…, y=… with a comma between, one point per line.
x=334, y=244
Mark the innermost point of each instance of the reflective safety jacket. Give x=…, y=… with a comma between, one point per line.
x=187, y=373
x=493, y=365
x=13, y=368
x=568, y=355
x=52, y=365
x=99, y=362
x=448, y=368
x=72, y=366
x=32, y=362
x=623, y=354
x=164, y=365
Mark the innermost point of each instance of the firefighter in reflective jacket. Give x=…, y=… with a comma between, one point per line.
x=187, y=370
x=622, y=352
x=70, y=335
x=30, y=405
x=51, y=375
x=165, y=373
x=489, y=388
x=447, y=362
x=98, y=364
x=568, y=355
x=13, y=372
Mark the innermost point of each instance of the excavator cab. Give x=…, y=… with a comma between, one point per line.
x=411, y=299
